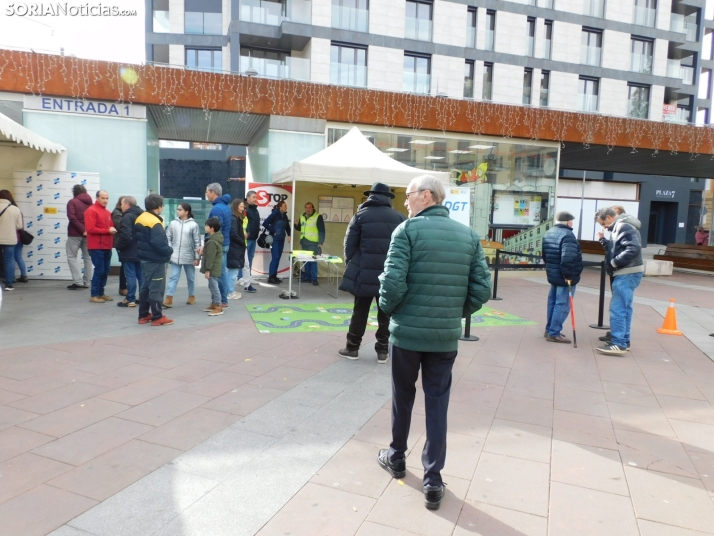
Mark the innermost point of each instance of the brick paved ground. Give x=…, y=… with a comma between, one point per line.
x=543, y=439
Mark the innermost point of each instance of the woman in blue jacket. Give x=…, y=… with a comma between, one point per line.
x=278, y=225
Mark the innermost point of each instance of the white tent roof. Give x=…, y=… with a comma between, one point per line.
x=20, y=148
x=353, y=159
x=14, y=132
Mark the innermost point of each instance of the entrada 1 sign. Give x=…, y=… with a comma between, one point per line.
x=86, y=107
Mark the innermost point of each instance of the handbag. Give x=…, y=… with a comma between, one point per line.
x=25, y=237
x=262, y=240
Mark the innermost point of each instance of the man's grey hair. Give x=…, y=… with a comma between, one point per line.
x=428, y=182
x=250, y=192
x=215, y=188
x=603, y=213
x=129, y=200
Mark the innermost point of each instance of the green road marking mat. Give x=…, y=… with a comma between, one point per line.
x=336, y=317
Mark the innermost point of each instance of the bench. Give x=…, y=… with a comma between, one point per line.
x=688, y=256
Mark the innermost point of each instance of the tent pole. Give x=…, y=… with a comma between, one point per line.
x=292, y=235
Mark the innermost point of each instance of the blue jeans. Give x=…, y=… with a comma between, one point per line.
x=19, y=260
x=558, y=309
x=623, y=294
x=214, y=284
x=175, y=275
x=276, y=251
x=223, y=282
x=8, y=253
x=251, y=252
x=233, y=275
x=133, y=274
x=310, y=267
x=102, y=261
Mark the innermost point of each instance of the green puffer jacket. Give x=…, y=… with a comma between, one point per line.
x=435, y=275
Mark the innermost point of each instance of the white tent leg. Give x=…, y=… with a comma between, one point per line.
x=290, y=273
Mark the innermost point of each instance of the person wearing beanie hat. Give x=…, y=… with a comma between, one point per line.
x=563, y=263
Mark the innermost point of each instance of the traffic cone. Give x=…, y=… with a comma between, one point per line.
x=669, y=327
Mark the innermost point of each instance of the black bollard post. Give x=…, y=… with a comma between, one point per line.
x=497, y=261
x=601, y=301
x=467, y=332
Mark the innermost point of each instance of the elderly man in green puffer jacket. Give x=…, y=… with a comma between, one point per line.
x=435, y=275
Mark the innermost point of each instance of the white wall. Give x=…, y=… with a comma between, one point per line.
x=176, y=16
x=507, y=83
x=447, y=75
x=535, y=88
x=320, y=60
x=571, y=6
x=177, y=55
x=563, y=91
x=226, y=18
x=384, y=68
x=478, y=79
x=661, y=49
x=612, y=99
x=566, y=41
x=226, y=58
x=656, y=102
x=619, y=10
x=664, y=12
x=387, y=17
x=511, y=33
x=481, y=29
x=540, y=38
x=322, y=13
x=449, y=23
x=616, y=50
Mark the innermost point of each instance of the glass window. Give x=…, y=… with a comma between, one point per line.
x=469, y=79
x=471, y=28
x=707, y=41
x=527, y=85
x=204, y=59
x=418, y=24
x=202, y=23
x=161, y=53
x=638, y=101
x=595, y=8
x=705, y=80
x=683, y=114
x=590, y=47
x=490, y=29
x=530, y=47
x=417, y=73
x=161, y=16
x=588, y=89
x=350, y=15
x=487, y=92
x=544, y=86
x=645, y=12
x=703, y=116
x=548, y=39
x=641, y=60
x=348, y=65
x=273, y=64
x=548, y=4
x=271, y=12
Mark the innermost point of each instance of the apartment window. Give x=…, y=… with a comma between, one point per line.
x=588, y=90
x=469, y=79
x=530, y=49
x=351, y=15
x=471, y=28
x=204, y=59
x=641, y=60
x=707, y=41
x=645, y=12
x=487, y=92
x=417, y=73
x=638, y=101
x=419, y=17
x=348, y=65
x=590, y=47
x=544, y=87
x=161, y=16
x=160, y=53
x=705, y=80
x=548, y=4
x=683, y=114
x=527, y=85
x=594, y=8
x=702, y=116
x=203, y=17
x=548, y=39
x=490, y=29
x=271, y=12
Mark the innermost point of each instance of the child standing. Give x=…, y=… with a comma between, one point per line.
x=211, y=264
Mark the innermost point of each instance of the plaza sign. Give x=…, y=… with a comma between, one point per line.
x=84, y=107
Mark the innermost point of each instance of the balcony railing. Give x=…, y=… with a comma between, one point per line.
x=587, y=103
x=471, y=37
x=530, y=46
x=687, y=75
x=342, y=74
x=641, y=63
x=416, y=83
x=675, y=69
x=686, y=25
x=590, y=55
x=468, y=89
x=548, y=4
x=419, y=29
x=273, y=14
x=490, y=38
x=290, y=69
x=350, y=18
x=644, y=16
x=595, y=8
x=161, y=22
x=487, y=91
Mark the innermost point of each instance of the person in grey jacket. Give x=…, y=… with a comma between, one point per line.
x=184, y=237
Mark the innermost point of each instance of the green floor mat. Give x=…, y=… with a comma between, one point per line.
x=336, y=317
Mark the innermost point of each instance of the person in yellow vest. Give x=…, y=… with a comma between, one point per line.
x=312, y=236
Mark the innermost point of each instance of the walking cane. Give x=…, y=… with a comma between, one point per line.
x=572, y=312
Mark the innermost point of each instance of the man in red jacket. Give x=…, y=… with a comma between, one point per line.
x=99, y=227
x=77, y=238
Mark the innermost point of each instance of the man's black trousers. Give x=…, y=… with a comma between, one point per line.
x=358, y=325
x=151, y=295
x=436, y=381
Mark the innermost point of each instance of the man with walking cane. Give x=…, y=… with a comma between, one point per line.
x=563, y=266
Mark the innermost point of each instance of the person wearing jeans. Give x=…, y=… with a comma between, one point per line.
x=100, y=230
x=236, y=250
x=278, y=225
x=102, y=262
x=252, y=231
x=77, y=238
x=10, y=223
x=128, y=251
x=221, y=210
x=184, y=237
x=623, y=260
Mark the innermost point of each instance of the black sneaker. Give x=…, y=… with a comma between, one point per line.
x=382, y=358
x=74, y=286
x=9, y=287
x=612, y=349
x=22, y=279
x=349, y=354
x=315, y=282
x=606, y=338
x=126, y=303
x=249, y=289
x=608, y=341
x=397, y=470
x=272, y=280
x=560, y=338
x=433, y=496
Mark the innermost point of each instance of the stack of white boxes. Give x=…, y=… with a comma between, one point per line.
x=42, y=198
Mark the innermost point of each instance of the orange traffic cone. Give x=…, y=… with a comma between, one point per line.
x=669, y=327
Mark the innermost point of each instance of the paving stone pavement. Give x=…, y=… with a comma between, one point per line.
x=207, y=427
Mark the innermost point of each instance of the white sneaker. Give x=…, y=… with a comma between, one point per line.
x=234, y=296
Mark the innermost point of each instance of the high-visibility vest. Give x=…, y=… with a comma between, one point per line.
x=308, y=227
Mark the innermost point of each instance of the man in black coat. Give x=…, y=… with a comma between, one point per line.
x=366, y=246
x=563, y=263
x=128, y=250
